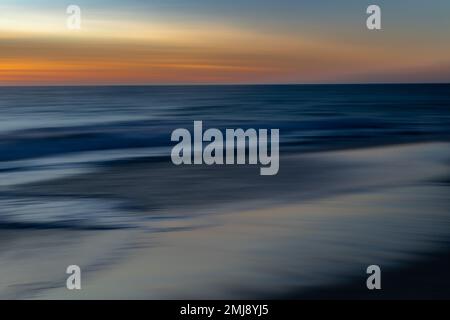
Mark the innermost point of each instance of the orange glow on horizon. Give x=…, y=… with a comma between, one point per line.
x=124, y=52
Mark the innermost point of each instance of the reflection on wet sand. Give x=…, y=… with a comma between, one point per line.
x=202, y=233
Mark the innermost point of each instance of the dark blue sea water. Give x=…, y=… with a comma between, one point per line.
x=40, y=122
x=53, y=132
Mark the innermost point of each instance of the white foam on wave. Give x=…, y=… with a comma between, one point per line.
x=48, y=168
x=52, y=212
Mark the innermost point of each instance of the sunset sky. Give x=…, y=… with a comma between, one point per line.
x=212, y=41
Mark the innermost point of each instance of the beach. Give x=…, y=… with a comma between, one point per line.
x=331, y=215
x=86, y=179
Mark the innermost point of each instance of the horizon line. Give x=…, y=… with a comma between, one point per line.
x=219, y=84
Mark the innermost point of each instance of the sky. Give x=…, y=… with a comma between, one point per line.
x=223, y=42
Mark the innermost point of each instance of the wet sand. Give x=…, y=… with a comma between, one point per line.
x=199, y=232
